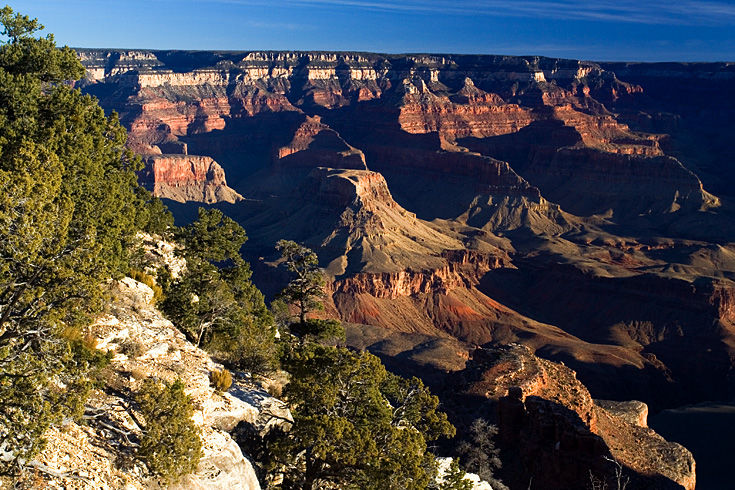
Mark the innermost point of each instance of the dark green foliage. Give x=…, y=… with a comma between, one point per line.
x=69, y=209
x=170, y=445
x=454, y=478
x=306, y=289
x=158, y=219
x=214, y=302
x=213, y=237
x=322, y=331
x=362, y=428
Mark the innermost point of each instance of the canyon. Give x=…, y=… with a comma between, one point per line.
x=581, y=210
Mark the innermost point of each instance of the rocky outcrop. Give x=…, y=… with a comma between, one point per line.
x=97, y=455
x=686, y=101
x=352, y=220
x=463, y=269
x=633, y=411
x=548, y=419
x=186, y=178
x=657, y=309
x=588, y=181
x=317, y=145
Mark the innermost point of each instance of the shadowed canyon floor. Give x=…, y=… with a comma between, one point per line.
x=704, y=429
x=581, y=210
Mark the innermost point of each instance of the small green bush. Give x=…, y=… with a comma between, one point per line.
x=221, y=380
x=454, y=478
x=170, y=445
x=149, y=281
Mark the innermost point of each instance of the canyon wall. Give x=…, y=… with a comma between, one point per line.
x=452, y=193
x=185, y=178
x=581, y=209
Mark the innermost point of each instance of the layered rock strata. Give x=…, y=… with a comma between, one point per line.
x=186, y=178
x=166, y=96
x=317, y=145
x=565, y=159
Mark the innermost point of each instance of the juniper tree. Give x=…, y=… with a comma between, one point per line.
x=214, y=302
x=69, y=209
x=454, y=478
x=363, y=428
x=170, y=445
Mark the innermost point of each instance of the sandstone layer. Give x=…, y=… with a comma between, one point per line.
x=558, y=203
x=186, y=178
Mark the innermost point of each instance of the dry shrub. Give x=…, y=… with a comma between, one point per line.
x=75, y=335
x=138, y=373
x=130, y=348
x=275, y=390
x=221, y=380
x=149, y=281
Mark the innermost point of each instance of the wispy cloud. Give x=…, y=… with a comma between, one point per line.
x=277, y=25
x=668, y=12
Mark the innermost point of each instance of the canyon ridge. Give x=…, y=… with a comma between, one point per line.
x=571, y=222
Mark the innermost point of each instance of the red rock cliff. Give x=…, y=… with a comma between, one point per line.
x=187, y=178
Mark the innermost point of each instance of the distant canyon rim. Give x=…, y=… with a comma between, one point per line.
x=581, y=210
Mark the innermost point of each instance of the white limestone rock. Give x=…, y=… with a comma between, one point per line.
x=222, y=467
x=98, y=455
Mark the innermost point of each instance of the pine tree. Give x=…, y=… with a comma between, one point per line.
x=214, y=302
x=306, y=289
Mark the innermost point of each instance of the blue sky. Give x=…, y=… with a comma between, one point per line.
x=633, y=30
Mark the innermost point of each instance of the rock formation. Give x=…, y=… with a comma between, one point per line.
x=95, y=455
x=185, y=178
x=316, y=145
x=562, y=437
x=561, y=204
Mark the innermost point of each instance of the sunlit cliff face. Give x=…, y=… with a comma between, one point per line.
x=560, y=204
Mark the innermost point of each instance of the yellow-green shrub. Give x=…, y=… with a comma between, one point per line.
x=149, y=281
x=221, y=380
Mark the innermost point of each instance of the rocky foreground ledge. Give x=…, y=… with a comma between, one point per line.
x=95, y=454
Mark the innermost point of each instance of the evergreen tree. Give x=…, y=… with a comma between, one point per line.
x=363, y=428
x=306, y=289
x=170, y=446
x=454, y=478
x=69, y=210
x=214, y=302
